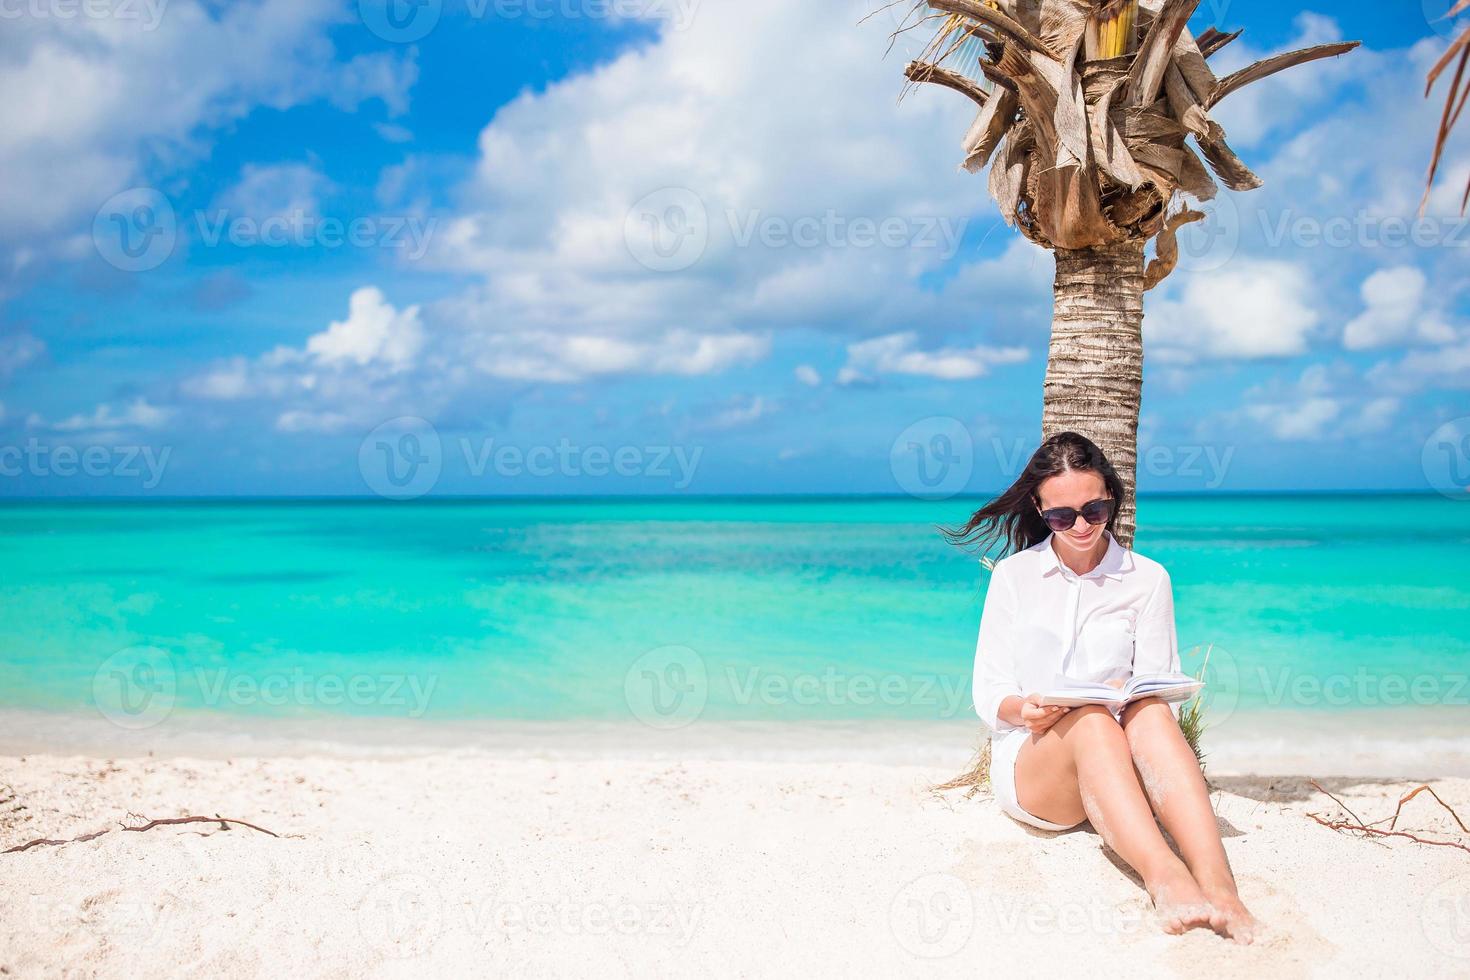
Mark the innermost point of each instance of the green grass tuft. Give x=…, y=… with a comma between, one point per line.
x=1192, y=715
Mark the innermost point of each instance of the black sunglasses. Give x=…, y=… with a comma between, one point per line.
x=1093, y=512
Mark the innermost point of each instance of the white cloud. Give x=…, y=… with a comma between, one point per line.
x=99, y=102
x=393, y=133
x=372, y=365
x=896, y=354
x=343, y=373
x=1302, y=419
x=741, y=411
x=373, y=333
x=808, y=375
x=139, y=414
x=326, y=423
x=784, y=187
x=1443, y=367
x=1323, y=403
x=372, y=344
x=289, y=190
x=16, y=351
x=550, y=356
x=228, y=381
x=1395, y=312
x=1282, y=101
x=1248, y=308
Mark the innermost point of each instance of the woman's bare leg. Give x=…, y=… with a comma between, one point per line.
x=1082, y=768
x=1176, y=788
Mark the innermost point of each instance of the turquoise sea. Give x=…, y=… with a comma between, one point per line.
x=667, y=611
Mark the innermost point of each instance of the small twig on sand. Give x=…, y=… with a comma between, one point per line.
x=1340, y=803
x=224, y=824
x=1344, y=825
x=1358, y=826
x=1426, y=789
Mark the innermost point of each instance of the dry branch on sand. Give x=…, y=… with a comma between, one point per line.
x=1357, y=826
x=224, y=824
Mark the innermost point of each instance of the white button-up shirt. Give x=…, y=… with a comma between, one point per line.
x=1041, y=619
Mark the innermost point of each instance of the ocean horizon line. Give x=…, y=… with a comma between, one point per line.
x=369, y=498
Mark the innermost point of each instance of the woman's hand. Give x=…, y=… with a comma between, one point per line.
x=1038, y=717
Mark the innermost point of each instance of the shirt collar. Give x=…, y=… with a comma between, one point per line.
x=1115, y=561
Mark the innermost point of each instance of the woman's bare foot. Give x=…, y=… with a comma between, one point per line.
x=1179, y=901
x=1229, y=916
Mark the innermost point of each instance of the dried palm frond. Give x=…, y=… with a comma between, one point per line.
x=1454, y=102
x=1091, y=103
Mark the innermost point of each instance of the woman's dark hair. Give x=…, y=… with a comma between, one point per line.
x=1012, y=518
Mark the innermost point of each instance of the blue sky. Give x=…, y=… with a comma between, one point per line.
x=648, y=246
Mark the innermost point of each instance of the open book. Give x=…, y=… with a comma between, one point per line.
x=1167, y=687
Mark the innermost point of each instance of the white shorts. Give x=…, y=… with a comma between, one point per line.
x=1004, y=747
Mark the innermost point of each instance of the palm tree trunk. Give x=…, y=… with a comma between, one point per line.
x=1094, y=370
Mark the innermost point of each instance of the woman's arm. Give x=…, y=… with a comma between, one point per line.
x=1027, y=713
x=1156, y=646
x=995, y=673
x=998, y=697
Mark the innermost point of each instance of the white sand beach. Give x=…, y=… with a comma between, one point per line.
x=749, y=861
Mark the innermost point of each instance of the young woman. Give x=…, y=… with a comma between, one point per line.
x=1069, y=599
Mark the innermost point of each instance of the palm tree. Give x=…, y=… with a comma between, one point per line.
x=1454, y=102
x=1085, y=107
